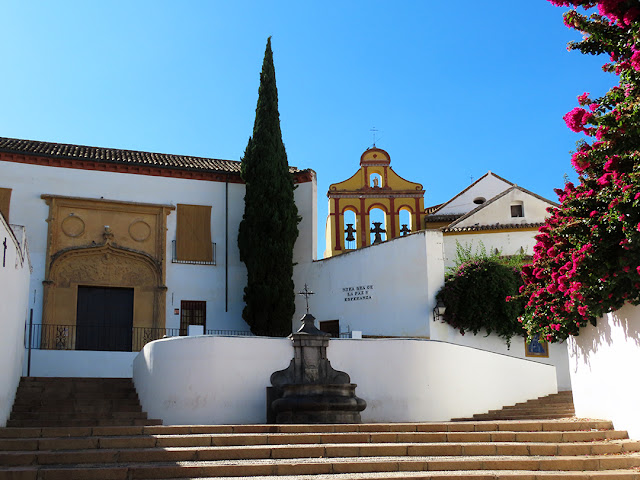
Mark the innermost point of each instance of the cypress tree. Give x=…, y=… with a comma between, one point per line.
x=269, y=226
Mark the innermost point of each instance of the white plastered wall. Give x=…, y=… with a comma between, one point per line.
x=14, y=303
x=223, y=380
x=223, y=293
x=487, y=188
x=499, y=211
x=508, y=243
x=385, y=289
x=603, y=364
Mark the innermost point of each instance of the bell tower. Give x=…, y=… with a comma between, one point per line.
x=375, y=186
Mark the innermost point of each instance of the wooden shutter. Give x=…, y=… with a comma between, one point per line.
x=5, y=201
x=193, y=233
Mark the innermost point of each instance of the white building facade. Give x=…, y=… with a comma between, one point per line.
x=155, y=233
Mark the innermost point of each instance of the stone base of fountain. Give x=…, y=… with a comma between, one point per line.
x=310, y=390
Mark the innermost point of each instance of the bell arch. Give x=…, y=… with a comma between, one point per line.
x=360, y=194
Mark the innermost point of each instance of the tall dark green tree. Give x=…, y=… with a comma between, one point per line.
x=269, y=226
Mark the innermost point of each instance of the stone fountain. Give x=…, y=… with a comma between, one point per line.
x=310, y=390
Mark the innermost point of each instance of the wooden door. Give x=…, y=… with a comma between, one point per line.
x=104, y=319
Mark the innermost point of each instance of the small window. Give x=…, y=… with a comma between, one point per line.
x=479, y=200
x=5, y=200
x=192, y=313
x=517, y=211
x=193, y=235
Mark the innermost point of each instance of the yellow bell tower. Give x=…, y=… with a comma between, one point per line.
x=374, y=186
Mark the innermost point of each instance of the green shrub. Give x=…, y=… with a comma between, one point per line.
x=475, y=296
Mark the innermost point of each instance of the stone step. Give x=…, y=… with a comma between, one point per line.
x=80, y=407
x=73, y=402
x=502, y=426
x=317, y=466
x=81, y=422
x=169, y=453
x=63, y=415
x=235, y=440
x=468, y=474
x=555, y=406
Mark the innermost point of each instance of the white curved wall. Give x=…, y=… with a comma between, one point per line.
x=603, y=365
x=223, y=380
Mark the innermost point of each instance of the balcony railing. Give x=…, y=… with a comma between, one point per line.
x=102, y=338
x=174, y=256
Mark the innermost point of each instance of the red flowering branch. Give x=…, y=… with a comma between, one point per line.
x=587, y=259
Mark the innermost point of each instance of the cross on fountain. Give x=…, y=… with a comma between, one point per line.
x=307, y=293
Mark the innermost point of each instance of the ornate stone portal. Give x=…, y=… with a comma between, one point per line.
x=105, y=243
x=310, y=390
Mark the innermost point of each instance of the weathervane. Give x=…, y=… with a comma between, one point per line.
x=306, y=292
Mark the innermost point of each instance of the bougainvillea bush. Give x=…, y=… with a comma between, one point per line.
x=587, y=259
x=475, y=293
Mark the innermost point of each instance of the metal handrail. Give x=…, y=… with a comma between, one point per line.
x=102, y=337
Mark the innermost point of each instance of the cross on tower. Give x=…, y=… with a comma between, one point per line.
x=374, y=130
x=306, y=292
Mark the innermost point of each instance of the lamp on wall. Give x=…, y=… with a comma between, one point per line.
x=438, y=311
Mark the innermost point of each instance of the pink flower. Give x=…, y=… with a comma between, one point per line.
x=582, y=310
x=583, y=99
x=593, y=107
x=604, y=179
x=593, y=214
x=638, y=270
x=577, y=118
x=635, y=60
x=630, y=15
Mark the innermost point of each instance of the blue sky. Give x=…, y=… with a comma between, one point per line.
x=455, y=89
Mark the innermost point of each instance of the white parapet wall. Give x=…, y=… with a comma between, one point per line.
x=15, y=271
x=80, y=363
x=223, y=380
x=603, y=362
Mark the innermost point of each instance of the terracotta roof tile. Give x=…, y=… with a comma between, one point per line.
x=497, y=226
x=114, y=155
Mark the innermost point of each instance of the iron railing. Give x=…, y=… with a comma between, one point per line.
x=174, y=257
x=101, y=337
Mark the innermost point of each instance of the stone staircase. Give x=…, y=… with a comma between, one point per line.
x=522, y=450
x=71, y=402
x=558, y=405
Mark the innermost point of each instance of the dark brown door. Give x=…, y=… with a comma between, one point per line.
x=104, y=319
x=332, y=327
x=192, y=312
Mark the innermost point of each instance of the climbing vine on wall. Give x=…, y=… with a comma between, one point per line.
x=475, y=294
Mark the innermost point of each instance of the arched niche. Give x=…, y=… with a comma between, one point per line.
x=405, y=217
x=350, y=225
x=378, y=221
